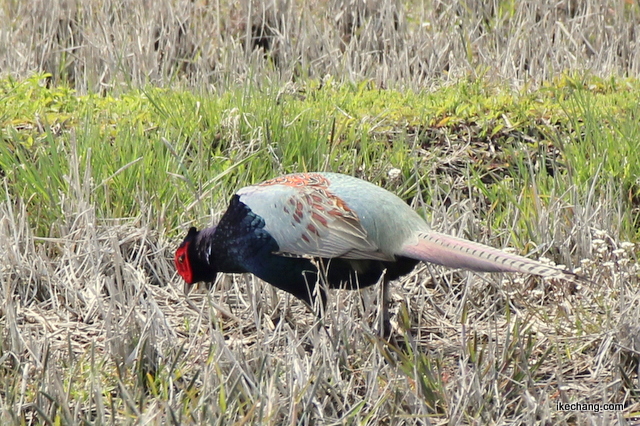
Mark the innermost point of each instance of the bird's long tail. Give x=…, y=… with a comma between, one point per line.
x=455, y=252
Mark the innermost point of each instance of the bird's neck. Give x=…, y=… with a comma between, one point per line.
x=202, y=247
x=213, y=248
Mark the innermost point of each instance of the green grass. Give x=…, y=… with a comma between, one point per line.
x=98, y=190
x=181, y=154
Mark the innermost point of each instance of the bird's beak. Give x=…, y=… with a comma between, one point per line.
x=186, y=288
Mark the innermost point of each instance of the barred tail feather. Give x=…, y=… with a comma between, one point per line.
x=453, y=252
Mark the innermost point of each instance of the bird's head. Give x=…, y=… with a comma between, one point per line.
x=192, y=262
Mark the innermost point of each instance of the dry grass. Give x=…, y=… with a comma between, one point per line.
x=103, y=44
x=91, y=333
x=94, y=327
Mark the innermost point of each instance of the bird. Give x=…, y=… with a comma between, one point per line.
x=306, y=232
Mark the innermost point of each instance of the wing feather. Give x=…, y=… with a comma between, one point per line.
x=309, y=220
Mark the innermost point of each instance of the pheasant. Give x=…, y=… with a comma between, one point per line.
x=285, y=230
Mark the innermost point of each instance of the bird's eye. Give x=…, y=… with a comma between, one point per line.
x=181, y=258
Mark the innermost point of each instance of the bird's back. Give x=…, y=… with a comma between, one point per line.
x=386, y=222
x=388, y=219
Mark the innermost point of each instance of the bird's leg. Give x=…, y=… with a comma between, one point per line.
x=383, y=309
x=318, y=294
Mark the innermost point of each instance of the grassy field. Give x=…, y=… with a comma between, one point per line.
x=112, y=45
x=116, y=137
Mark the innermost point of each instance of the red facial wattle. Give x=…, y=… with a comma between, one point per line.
x=183, y=265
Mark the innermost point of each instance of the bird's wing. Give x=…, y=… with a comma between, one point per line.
x=453, y=252
x=307, y=219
